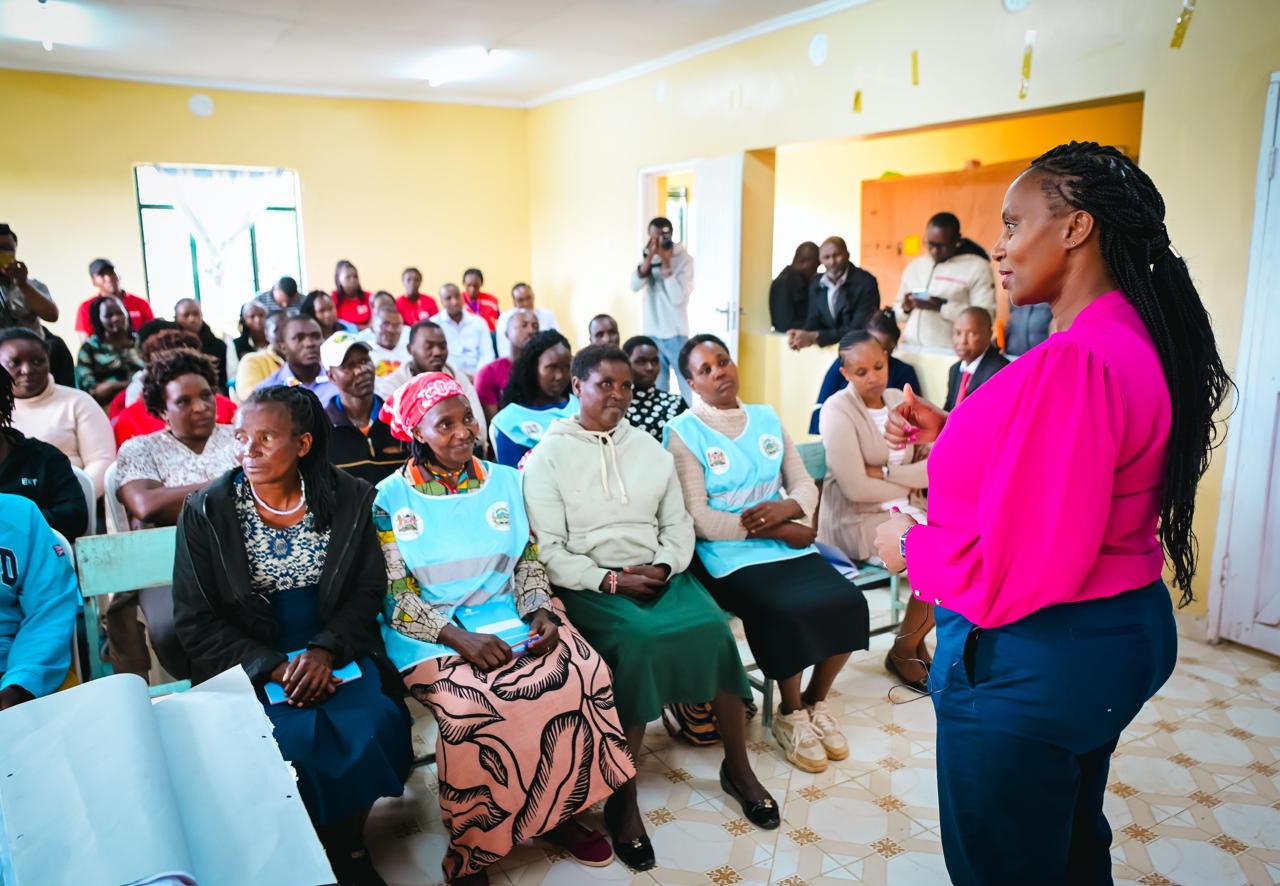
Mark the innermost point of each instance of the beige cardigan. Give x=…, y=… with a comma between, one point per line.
x=850, y=511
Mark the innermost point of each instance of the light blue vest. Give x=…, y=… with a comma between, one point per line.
x=461, y=549
x=525, y=426
x=739, y=472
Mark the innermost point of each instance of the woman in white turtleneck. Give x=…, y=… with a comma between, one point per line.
x=752, y=503
x=605, y=505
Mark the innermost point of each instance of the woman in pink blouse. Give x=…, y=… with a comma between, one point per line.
x=1056, y=494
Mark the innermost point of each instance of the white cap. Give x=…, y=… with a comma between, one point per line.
x=335, y=347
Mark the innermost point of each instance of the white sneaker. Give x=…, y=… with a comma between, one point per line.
x=833, y=740
x=799, y=740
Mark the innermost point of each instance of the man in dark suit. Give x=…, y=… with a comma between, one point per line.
x=789, y=293
x=840, y=300
x=979, y=359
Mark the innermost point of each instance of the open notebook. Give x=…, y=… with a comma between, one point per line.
x=100, y=786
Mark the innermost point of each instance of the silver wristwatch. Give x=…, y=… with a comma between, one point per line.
x=884, y=471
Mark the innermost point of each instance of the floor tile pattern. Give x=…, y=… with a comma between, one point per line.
x=1194, y=798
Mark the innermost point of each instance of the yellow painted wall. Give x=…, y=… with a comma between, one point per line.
x=1202, y=118
x=384, y=184
x=819, y=193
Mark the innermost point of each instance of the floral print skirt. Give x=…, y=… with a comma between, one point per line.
x=521, y=748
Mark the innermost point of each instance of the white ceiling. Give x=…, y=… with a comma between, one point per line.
x=380, y=48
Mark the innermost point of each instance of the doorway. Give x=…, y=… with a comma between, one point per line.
x=703, y=199
x=1244, y=595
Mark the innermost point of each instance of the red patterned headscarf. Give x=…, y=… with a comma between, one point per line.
x=414, y=399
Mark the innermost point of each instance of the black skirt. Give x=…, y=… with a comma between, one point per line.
x=796, y=612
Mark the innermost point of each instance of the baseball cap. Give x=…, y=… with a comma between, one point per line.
x=100, y=266
x=335, y=347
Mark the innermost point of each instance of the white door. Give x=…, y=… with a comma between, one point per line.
x=715, y=242
x=1245, y=592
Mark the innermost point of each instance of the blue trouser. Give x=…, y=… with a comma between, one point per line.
x=1028, y=715
x=668, y=359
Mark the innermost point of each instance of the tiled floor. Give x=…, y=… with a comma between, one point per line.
x=1194, y=799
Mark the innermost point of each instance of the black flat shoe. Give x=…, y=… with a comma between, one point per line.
x=921, y=686
x=636, y=854
x=761, y=813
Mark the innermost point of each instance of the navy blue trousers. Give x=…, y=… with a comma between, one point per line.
x=1028, y=715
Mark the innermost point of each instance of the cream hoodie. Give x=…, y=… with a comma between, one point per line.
x=604, y=501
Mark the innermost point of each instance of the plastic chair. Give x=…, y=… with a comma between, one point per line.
x=90, y=499
x=118, y=563
x=117, y=518
x=814, y=455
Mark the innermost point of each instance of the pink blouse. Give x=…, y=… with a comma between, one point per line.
x=1044, y=486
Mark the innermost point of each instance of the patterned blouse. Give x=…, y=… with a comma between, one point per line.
x=651, y=409
x=279, y=559
x=531, y=587
x=100, y=361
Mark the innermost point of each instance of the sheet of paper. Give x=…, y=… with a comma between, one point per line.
x=238, y=800
x=86, y=790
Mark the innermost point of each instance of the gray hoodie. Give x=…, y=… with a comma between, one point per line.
x=604, y=501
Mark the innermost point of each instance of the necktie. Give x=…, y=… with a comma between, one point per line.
x=965, y=377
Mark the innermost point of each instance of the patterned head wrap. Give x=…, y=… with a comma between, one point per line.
x=414, y=399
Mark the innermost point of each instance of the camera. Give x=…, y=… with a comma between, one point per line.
x=667, y=242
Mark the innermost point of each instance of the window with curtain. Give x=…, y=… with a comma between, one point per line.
x=217, y=234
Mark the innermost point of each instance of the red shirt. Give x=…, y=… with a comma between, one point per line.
x=353, y=310
x=139, y=312
x=491, y=380
x=424, y=308
x=135, y=421
x=485, y=306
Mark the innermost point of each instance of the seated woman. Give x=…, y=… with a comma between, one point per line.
x=866, y=481
x=615, y=537
x=155, y=473
x=753, y=555
x=531, y=707
x=65, y=417
x=651, y=408
x=277, y=570
x=350, y=298
x=884, y=326
x=253, y=333
x=134, y=419
x=537, y=394
x=318, y=305
x=109, y=357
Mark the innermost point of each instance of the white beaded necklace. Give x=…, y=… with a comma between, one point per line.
x=302, y=502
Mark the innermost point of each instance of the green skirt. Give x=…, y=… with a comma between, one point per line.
x=676, y=650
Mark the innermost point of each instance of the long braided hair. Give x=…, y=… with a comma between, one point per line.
x=318, y=475
x=1129, y=213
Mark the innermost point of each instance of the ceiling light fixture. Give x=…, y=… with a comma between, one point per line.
x=47, y=40
x=460, y=64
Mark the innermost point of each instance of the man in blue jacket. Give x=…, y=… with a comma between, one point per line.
x=38, y=599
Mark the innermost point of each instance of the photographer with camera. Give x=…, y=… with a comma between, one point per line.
x=665, y=272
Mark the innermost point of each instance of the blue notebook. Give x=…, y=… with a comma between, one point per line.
x=498, y=617
x=345, y=674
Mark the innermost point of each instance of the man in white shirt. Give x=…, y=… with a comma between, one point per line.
x=665, y=272
x=470, y=344
x=387, y=344
x=429, y=352
x=522, y=299
x=937, y=287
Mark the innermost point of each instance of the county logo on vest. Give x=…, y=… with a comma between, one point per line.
x=406, y=525
x=717, y=460
x=770, y=446
x=499, y=516
x=532, y=430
